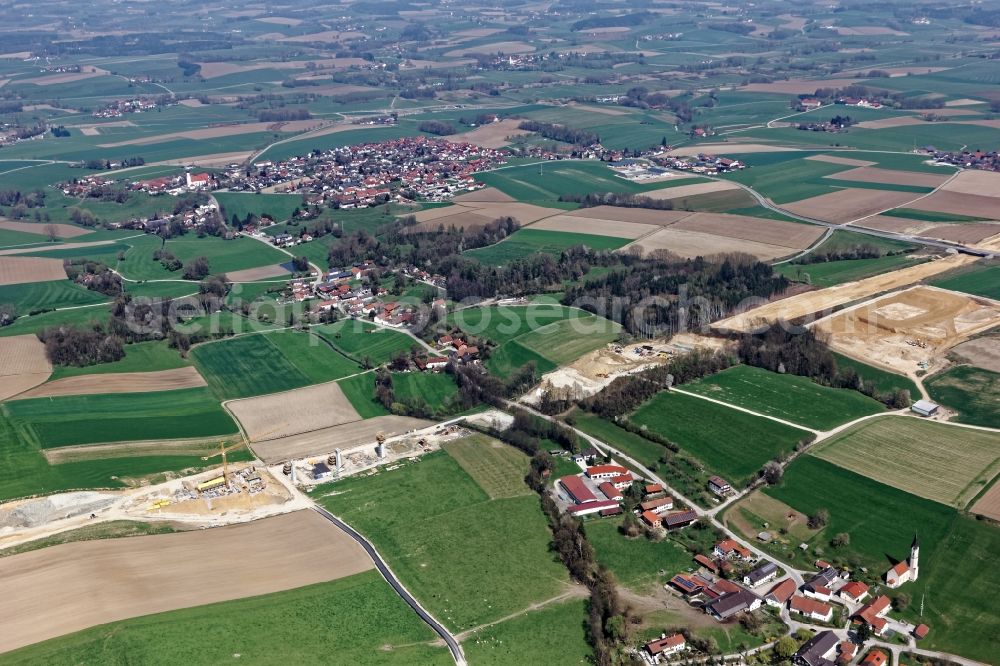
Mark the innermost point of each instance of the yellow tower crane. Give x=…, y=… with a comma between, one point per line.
x=223, y=450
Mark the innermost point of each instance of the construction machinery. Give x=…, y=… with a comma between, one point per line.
x=223, y=450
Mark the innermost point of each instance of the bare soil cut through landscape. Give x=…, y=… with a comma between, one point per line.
x=729, y=149
x=293, y=412
x=121, y=382
x=221, y=131
x=21, y=270
x=23, y=364
x=66, y=588
x=825, y=300
x=908, y=327
x=343, y=436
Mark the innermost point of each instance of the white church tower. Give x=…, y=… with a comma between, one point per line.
x=914, y=558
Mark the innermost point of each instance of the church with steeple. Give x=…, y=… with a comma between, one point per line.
x=906, y=571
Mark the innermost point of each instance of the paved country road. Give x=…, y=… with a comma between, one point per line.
x=456, y=649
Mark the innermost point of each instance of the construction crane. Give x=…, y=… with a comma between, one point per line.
x=223, y=450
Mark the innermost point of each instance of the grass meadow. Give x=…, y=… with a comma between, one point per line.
x=359, y=340
x=728, y=442
x=883, y=380
x=48, y=295
x=504, y=564
x=940, y=462
x=881, y=521
x=120, y=417
x=499, y=469
x=979, y=280
x=972, y=392
x=790, y=397
x=550, y=635
x=358, y=618
x=830, y=273
x=256, y=364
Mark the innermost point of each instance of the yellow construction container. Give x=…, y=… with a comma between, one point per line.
x=211, y=483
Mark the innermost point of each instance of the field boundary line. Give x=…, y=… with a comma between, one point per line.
x=750, y=411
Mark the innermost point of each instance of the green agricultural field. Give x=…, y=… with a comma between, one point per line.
x=360, y=391
x=360, y=340
x=637, y=563
x=796, y=399
x=510, y=356
x=940, y=462
x=972, y=392
x=10, y=238
x=548, y=334
x=882, y=380
x=48, y=295
x=500, y=324
x=728, y=442
x=567, y=340
x=165, y=289
x=551, y=635
x=830, y=273
x=436, y=389
x=504, y=563
x=499, y=469
x=634, y=446
x=979, y=280
x=930, y=215
x=544, y=183
x=256, y=364
x=526, y=242
x=880, y=519
x=881, y=522
x=139, y=357
x=373, y=626
x=278, y=207
x=119, y=417
x=78, y=316
x=844, y=240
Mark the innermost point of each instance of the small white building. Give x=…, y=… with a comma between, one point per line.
x=924, y=408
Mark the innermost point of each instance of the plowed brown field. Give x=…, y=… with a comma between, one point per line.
x=66, y=588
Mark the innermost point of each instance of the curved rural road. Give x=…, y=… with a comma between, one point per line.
x=456, y=649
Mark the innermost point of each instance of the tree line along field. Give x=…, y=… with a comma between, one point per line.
x=881, y=522
x=974, y=393
x=940, y=462
x=373, y=626
x=504, y=563
x=790, y=397
x=728, y=442
x=260, y=363
x=883, y=380
x=139, y=357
